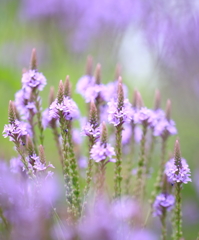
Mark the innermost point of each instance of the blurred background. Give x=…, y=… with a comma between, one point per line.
x=156, y=42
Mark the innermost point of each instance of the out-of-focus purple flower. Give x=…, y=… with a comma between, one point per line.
x=144, y=115
x=16, y=165
x=163, y=201
x=21, y=100
x=16, y=130
x=26, y=204
x=116, y=116
x=125, y=208
x=68, y=108
x=175, y=175
x=90, y=130
x=110, y=91
x=127, y=134
x=34, y=80
x=76, y=136
x=156, y=116
x=47, y=119
x=101, y=151
x=84, y=83
x=82, y=162
x=163, y=126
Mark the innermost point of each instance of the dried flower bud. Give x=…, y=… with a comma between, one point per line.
x=51, y=95
x=168, y=110
x=42, y=154
x=120, y=93
x=60, y=94
x=67, y=90
x=157, y=102
x=104, y=134
x=11, y=112
x=98, y=74
x=140, y=102
x=89, y=66
x=33, y=60
x=177, y=155
x=93, y=118
x=135, y=99
x=16, y=111
x=29, y=145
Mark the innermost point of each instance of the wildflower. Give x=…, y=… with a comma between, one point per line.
x=16, y=130
x=68, y=107
x=101, y=151
x=163, y=201
x=90, y=130
x=165, y=127
x=116, y=115
x=144, y=115
x=34, y=80
x=175, y=174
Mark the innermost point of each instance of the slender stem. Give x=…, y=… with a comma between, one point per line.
x=56, y=138
x=178, y=213
x=150, y=154
x=130, y=163
x=138, y=191
x=158, y=182
x=163, y=221
x=4, y=220
x=74, y=172
x=118, y=167
x=39, y=118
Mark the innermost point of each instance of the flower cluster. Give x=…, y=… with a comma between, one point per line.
x=175, y=175
x=16, y=130
x=34, y=80
x=163, y=126
x=116, y=115
x=68, y=108
x=163, y=201
x=90, y=130
x=101, y=151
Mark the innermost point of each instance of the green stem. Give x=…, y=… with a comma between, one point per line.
x=138, y=191
x=130, y=163
x=66, y=164
x=163, y=221
x=118, y=167
x=74, y=172
x=39, y=118
x=4, y=220
x=150, y=154
x=158, y=182
x=56, y=138
x=178, y=213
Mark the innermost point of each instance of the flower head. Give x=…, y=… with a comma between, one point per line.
x=122, y=115
x=175, y=175
x=68, y=108
x=163, y=201
x=33, y=79
x=100, y=152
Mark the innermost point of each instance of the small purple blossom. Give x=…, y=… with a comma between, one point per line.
x=68, y=108
x=33, y=79
x=163, y=201
x=84, y=83
x=144, y=115
x=175, y=175
x=165, y=127
x=117, y=116
x=16, y=130
x=90, y=130
x=101, y=151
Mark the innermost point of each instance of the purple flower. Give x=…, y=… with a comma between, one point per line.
x=21, y=100
x=84, y=83
x=110, y=91
x=33, y=79
x=68, y=108
x=165, y=127
x=100, y=152
x=144, y=115
x=175, y=174
x=47, y=119
x=16, y=165
x=90, y=130
x=117, y=116
x=163, y=201
x=16, y=130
